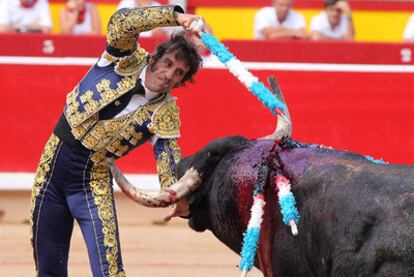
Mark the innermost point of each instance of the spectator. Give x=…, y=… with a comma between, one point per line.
x=335, y=22
x=25, y=16
x=279, y=22
x=79, y=17
x=409, y=30
x=131, y=4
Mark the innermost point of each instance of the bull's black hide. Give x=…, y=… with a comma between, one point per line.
x=356, y=216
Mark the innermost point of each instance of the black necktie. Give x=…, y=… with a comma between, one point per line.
x=139, y=88
x=119, y=104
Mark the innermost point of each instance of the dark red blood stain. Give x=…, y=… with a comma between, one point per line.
x=245, y=175
x=265, y=242
x=172, y=194
x=267, y=230
x=245, y=199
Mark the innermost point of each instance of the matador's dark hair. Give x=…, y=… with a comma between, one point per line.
x=184, y=50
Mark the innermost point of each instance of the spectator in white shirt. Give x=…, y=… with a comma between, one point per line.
x=335, y=22
x=279, y=22
x=409, y=30
x=25, y=16
x=80, y=17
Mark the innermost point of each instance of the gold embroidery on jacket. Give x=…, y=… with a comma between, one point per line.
x=110, y=138
x=108, y=135
x=125, y=26
x=165, y=121
x=141, y=115
x=89, y=104
x=117, y=148
x=72, y=105
x=104, y=132
x=92, y=106
x=132, y=135
x=100, y=184
x=79, y=131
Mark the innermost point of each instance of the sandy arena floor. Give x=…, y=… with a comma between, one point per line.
x=148, y=249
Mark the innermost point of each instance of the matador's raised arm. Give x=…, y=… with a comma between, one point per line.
x=126, y=24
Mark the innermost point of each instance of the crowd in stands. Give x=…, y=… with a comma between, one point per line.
x=333, y=23
x=77, y=17
x=279, y=21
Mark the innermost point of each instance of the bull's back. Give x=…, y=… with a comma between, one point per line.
x=356, y=216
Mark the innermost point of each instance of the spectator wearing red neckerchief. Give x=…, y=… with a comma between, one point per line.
x=80, y=17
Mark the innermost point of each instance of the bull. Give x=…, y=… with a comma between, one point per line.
x=356, y=215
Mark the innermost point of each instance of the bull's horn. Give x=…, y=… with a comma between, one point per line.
x=158, y=198
x=284, y=124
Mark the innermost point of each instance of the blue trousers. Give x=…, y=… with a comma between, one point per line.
x=68, y=186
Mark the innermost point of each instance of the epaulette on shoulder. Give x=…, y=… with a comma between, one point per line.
x=132, y=64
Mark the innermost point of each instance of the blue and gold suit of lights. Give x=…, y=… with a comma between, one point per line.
x=73, y=179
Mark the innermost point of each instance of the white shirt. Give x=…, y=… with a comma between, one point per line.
x=138, y=100
x=320, y=23
x=266, y=17
x=12, y=13
x=409, y=28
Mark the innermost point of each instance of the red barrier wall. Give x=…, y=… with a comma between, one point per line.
x=248, y=50
x=367, y=113
x=370, y=113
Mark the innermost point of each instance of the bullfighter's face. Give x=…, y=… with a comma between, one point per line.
x=166, y=73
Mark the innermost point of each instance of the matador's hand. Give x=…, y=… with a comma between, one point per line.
x=192, y=23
